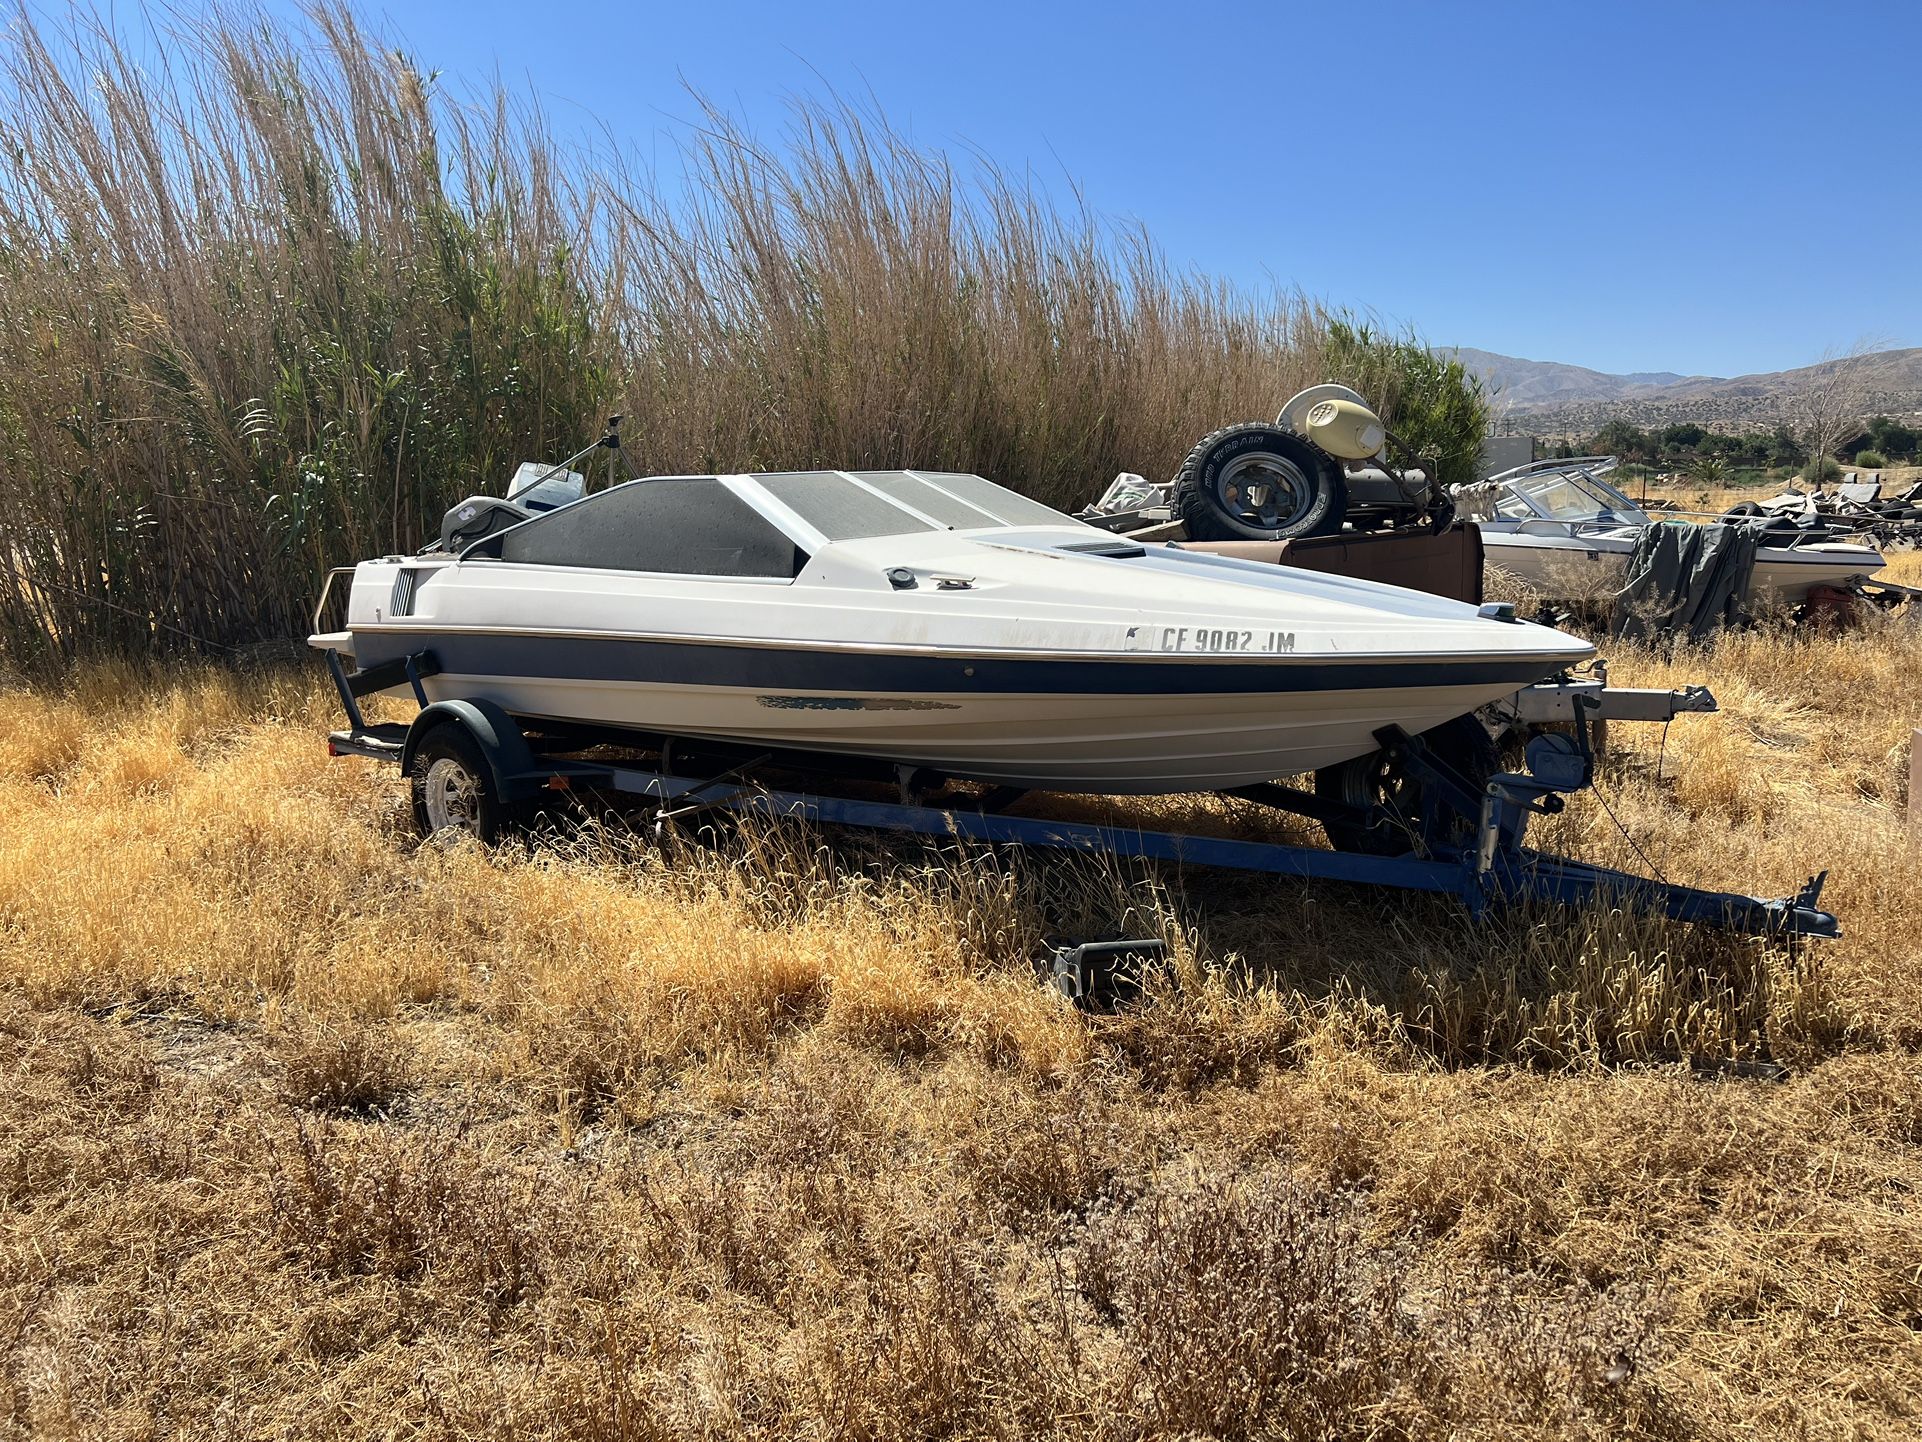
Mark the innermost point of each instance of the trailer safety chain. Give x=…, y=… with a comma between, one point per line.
x=1602, y=796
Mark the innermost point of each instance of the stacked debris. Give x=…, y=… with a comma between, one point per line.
x=1853, y=508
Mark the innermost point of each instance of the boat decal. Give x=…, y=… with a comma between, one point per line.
x=855, y=703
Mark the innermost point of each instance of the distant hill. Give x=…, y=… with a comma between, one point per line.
x=1550, y=398
x=1543, y=383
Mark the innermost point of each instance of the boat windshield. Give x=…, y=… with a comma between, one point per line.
x=852, y=505
x=1575, y=495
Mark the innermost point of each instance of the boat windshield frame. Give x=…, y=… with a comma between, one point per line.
x=843, y=506
x=1572, y=494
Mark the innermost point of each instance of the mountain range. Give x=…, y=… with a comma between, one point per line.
x=1550, y=398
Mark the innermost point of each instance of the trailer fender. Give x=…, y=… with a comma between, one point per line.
x=516, y=773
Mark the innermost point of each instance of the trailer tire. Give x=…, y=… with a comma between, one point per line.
x=1300, y=490
x=452, y=787
x=1462, y=744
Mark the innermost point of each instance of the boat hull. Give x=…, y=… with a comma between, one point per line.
x=1115, y=725
x=1590, y=568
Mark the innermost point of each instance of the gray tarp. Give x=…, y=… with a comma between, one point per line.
x=1686, y=580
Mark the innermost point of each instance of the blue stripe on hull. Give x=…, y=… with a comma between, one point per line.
x=783, y=669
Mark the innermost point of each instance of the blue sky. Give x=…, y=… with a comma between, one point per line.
x=1699, y=187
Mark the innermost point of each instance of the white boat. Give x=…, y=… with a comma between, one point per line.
x=927, y=618
x=1563, y=531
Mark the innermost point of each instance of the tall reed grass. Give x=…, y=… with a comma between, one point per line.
x=274, y=303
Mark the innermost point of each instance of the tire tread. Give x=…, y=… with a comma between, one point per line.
x=1203, y=518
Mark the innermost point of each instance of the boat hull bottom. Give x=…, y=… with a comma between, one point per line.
x=1115, y=745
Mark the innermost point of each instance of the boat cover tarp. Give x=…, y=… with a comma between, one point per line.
x=1686, y=580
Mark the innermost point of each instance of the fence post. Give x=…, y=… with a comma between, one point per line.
x=1915, y=784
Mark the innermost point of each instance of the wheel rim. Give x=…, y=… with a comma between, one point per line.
x=1384, y=781
x=451, y=795
x=1265, y=489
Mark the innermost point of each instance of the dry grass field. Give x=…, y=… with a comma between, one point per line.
x=309, y=1130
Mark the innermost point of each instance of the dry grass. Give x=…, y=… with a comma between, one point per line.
x=306, y=1130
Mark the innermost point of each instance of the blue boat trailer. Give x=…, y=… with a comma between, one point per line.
x=1509, y=872
x=1468, y=843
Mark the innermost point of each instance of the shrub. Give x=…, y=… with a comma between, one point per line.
x=354, y=1070
x=1873, y=460
x=1430, y=401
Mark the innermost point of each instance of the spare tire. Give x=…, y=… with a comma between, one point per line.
x=1256, y=482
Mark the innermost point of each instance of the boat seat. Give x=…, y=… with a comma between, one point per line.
x=477, y=518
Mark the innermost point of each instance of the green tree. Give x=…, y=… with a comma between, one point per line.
x=1622, y=438
x=1892, y=438
x=1784, y=449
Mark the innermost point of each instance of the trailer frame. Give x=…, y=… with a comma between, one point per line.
x=687, y=776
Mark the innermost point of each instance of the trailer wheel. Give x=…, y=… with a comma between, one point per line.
x=1380, y=779
x=453, y=787
x=1257, y=482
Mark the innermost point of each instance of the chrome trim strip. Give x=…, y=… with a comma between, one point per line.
x=961, y=653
